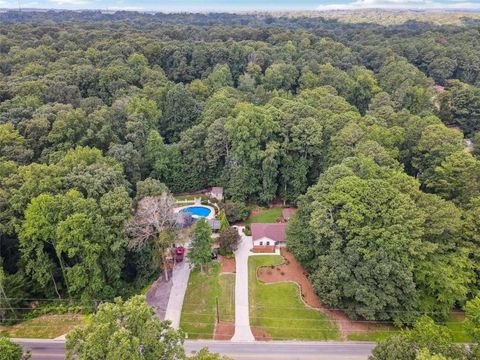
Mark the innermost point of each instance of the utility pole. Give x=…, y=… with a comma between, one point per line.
x=218, y=312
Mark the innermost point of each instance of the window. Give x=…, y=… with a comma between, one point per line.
x=268, y=243
x=261, y=243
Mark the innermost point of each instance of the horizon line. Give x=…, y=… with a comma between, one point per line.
x=242, y=11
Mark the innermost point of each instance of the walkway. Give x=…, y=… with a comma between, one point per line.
x=181, y=273
x=242, y=315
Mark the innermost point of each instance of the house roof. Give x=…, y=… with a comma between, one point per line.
x=288, y=212
x=217, y=190
x=273, y=231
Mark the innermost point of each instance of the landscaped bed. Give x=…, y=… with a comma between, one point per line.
x=199, y=312
x=278, y=312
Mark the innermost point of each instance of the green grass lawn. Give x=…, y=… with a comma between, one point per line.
x=43, y=327
x=379, y=333
x=278, y=309
x=190, y=197
x=455, y=323
x=265, y=216
x=199, y=307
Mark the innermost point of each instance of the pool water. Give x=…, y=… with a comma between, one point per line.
x=197, y=211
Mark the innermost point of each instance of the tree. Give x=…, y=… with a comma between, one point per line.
x=236, y=211
x=224, y=224
x=201, y=249
x=457, y=178
x=125, y=330
x=181, y=112
x=426, y=338
x=12, y=145
x=219, y=77
x=228, y=240
x=435, y=145
x=74, y=244
x=11, y=351
x=154, y=225
x=472, y=323
x=280, y=77
x=150, y=187
x=361, y=235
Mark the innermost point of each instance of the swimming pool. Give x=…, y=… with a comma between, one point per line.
x=197, y=211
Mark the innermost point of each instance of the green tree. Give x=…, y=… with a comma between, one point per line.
x=224, y=224
x=150, y=187
x=201, y=249
x=181, y=112
x=125, y=330
x=228, y=240
x=11, y=351
x=457, y=178
x=426, y=337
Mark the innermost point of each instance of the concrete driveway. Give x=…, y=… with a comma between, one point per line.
x=242, y=316
x=181, y=273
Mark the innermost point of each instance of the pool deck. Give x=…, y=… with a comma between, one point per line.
x=210, y=216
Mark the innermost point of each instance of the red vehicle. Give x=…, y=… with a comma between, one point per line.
x=179, y=252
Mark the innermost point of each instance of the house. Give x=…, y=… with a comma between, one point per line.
x=267, y=236
x=287, y=213
x=217, y=193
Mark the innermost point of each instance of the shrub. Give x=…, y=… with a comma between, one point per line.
x=236, y=211
x=11, y=351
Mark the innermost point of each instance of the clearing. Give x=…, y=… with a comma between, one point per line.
x=44, y=327
x=199, y=313
x=265, y=216
x=277, y=310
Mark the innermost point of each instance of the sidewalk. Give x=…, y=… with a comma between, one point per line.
x=242, y=316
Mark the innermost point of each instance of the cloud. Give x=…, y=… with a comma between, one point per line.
x=71, y=2
x=399, y=4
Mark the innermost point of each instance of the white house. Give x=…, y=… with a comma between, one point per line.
x=268, y=235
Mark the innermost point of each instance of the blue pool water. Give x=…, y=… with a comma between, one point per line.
x=199, y=211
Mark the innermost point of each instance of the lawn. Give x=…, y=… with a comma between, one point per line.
x=43, y=327
x=379, y=333
x=199, y=307
x=278, y=309
x=455, y=323
x=265, y=216
x=191, y=197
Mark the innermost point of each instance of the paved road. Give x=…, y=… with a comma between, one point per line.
x=273, y=350
x=242, y=316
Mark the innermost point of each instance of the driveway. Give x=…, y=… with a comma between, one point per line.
x=181, y=273
x=242, y=316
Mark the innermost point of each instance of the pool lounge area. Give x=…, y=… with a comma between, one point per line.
x=198, y=211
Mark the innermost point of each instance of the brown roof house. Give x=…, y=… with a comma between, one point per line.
x=267, y=236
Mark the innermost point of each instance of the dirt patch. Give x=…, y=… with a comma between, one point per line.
x=158, y=295
x=291, y=270
x=224, y=331
x=227, y=264
x=260, y=334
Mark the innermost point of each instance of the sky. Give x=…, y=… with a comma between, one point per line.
x=239, y=5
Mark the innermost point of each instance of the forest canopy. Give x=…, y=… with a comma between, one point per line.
x=372, y=130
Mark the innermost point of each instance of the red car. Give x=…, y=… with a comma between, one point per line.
x=179, y=252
